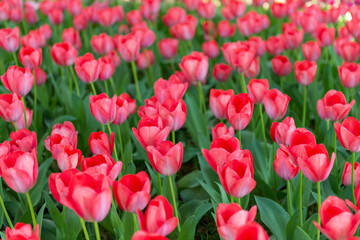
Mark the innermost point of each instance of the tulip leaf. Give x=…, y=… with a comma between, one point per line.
x=39, y=217
x=301, y=234
x=273, y=216
x=54, y=213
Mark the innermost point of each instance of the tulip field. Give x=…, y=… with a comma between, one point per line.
x=180, y=119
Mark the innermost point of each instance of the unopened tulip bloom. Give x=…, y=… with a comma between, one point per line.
x=185, y=30
x=56, y=16
x=281, y=65
x=4, y=11
x=353, y=26
x=237, y=178
x=63, y=54
x=333, y=106
x=349, y=74
x=348, y=134
x=325, y=36
x=106, y=68
x=151, y=108
x=168, y=47
x=34, y=39
x=129, y=47
x=69, y=158
x=274, y=45
x=292, y=38
x=59, y=184
x=20, y=170
x=222, y=72
x=106, y=16
x=230, y=217
x=102, y=43
x=195, y=67
x=173, y=16
x=40, y=76
x=257, y=89
x=172, y=88
x=30, y=57
x=334, y=211
x=132, y=192
x=210, y=49
x=125, y=106
x=159, y=217
x=206, y=10
x=220, y=130
x=23, y=140
x=305, y=72
x=151, y=131
x=143, y=235
x=284, y=166
x=281, y=132
x=64, y=130
x=10, y=39
x=11, y=107
x=239, y=111
x=225, y=29
x=72, y=36
x=191, y=4
x=347, y=50
x=87, y=68
x=18, y=80
x=145, y=35
x=276, y=104
x=103, y=108
x=22, y=231
x=311, y=50
x=21, y=122
x=279, y=9
x=245, y=61
x=251, y=230
x=99, y=142
x=146, y=59
x=258, y=44
x=346, y=175
x=218, y=102
x=133, y=17
x=173, y=112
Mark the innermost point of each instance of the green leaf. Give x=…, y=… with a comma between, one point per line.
x=188, y=229
x=273, y=216
x=301, y=234
x=39, y=217
x=54, y=213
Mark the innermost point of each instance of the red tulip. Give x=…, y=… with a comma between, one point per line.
x=238, y=7
x=281, y=132
x=348, y=134
x=251, y=230
x=173, y=16
x=173, y=112
x=56, y=16
x=87, y=68
x=346, y=175
x=107, y=16
x=125, y=106
x=347, y=50
x=31, y=16
x=30, y=57
x=311, y=50
x=66, y=131
x=245, y=61
x=102, y=43
x=145, y=35
x=106, y=68
x=274, y=45
x=99, y=142
x=151, y=108
x=22, y=231
x=349, y=74
x=11, y=107
x=209, y=30
x=114, y=57
x=231, y=217
x=103, y=108
x=258, y=44
x=220, y=130
x=129, y=47
x=305, y=72
x=185, y=30
x=63, y=54
x=333, y=106
x=279, y=10
x=225, y=29
x=325, y=36
x=151, y=131
x=35, y=39
x=45, y=31
x=334, y=211
x=210, y=49
x=20, y=170
x=4, y=11
x=292, y=38
x=206, y=10
x=195, y=67
x=239, y=111
x=23, y=140
x=251, y=23
x=59, y=184
x=357, y=198
x=10, y=39
x=158, y=217
x=191, y=4
x=353, y=26
x=21, y=122
x=276, y=104
x=18, y=80
x=281, y=65
x=133, y=17
x=218, y=102
x=257, y=89
x=142, y=235
x=150, y=9
x=145, y=59
x=284, y=166
x=222, y=72
x=168, y=47
x=172, y=88
x=80, y=21
x=237, y=177
x=308, y=22
x=69, y=158
x=40, y=76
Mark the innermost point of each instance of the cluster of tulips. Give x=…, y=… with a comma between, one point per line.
x=144, y=141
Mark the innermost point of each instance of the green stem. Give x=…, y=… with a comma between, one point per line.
x=106, y=88
x=336, y=163
x=353, y=97
x=25, y=118
x=201, y=96
x=281, y=84
x=327, y=125
x=31, y=209
x=135, y=222
x=159, y=180
x=93, y=88
x=15, y=126
x=84, y=229
x=115, y=151
x=35, y=99
x=174, y=203
x=263, y=129
x=112, y=85
x=97, y=232
x=239, y=136
x=232, y=200
x=75, y=81
x=319, y=205
x=173, y=136
x=6, y=213
x=120, y=141
x=172, y=65
x=352, y=177
x=304, y=107
x=239, y=201
x=289, y=197
x=243, y=83
x=300, y=199
x=15, y=59
x=133, y=66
